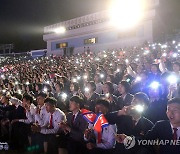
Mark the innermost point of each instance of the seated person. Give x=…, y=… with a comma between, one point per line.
x=107, y=141
x=166, y=131
x=74, y=128
x=51, y=124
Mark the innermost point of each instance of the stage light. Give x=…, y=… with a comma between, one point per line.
x=173, y=42
x=60, y=30
x=125, y=14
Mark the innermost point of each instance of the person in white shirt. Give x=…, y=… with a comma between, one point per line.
x=108, y=133
x=27, y=103
x=50, y=127
x=41, y=112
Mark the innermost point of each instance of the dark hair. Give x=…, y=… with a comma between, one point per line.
x=60, y=84
x=51, y=100
x=142, y=97
x=40, y=86
x=103, y=102
x=110, y=87
x=126, y=85
x=76, y=86
x=28, y=98
x=174, y=100
x=176, y=63
x=18, y=96
x=30, y=86
x=77, y=100
x=42, y=94
x=93, y=85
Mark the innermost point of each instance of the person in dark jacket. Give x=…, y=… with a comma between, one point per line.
x=166, y=131
x=74, y=128
x=131, y=120
x=125, y=98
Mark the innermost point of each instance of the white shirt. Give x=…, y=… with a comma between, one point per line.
x=178, y=131
x=40, y=118
x=58, y=117
x=30, y=115
x=108, y=137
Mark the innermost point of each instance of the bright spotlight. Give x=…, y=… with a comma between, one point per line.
x=60, y=30
x=125, y=14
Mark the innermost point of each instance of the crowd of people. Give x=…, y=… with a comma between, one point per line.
x=54, y=104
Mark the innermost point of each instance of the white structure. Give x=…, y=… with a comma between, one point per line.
x=94, y=32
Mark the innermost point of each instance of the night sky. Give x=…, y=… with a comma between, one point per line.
x=22, y=21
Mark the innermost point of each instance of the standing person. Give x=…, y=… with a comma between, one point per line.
x=74, y=128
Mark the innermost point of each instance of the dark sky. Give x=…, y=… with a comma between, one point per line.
x=22, y=21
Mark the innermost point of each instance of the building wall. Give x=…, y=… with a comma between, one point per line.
x=108, y=36
x=107, y=39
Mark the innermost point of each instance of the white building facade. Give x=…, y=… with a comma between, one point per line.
x=95, y=33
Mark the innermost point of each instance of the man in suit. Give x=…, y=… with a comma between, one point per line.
x=74, y=128
x=167, y=131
